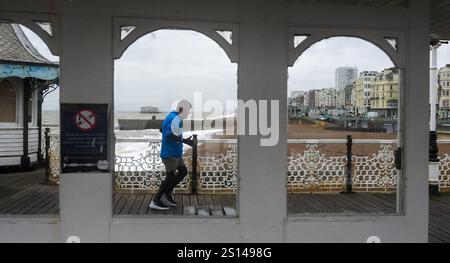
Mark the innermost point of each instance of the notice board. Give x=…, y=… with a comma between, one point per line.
x=84, y=138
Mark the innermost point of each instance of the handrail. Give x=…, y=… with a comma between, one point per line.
x=317, y=141
x=290, y=141
x=369, y=141
x=147, y=140
x=340, y=141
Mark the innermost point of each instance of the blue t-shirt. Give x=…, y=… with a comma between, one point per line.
x=171, y=125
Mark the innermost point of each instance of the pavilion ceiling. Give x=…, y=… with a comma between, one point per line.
x=440, y=12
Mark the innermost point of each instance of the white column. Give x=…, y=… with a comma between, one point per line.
x=433, y=88
x=86, y=77
x=433, y=165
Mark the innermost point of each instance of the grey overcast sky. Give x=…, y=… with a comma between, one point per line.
x=315, y=68
x=171, y=64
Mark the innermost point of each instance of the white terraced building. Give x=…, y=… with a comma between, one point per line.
x=444, y=96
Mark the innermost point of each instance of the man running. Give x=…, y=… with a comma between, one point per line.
x=172, y=155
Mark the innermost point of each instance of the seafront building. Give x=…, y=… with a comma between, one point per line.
x=444, y=94
x=385, y=93
x=363, y=92
x=344, y=76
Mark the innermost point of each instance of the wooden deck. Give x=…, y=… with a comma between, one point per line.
x=188, y=205
x=24, y=194
x=361, y=203
x=439, y=225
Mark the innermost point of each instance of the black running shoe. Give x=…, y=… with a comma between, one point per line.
x=158, y=205
x=168, y=200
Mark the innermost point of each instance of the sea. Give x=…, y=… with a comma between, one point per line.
x=51, y=120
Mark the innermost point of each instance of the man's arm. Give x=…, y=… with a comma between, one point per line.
x=187, y=141
x=173, y=137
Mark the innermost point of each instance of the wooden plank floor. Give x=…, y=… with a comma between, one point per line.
x=24, y=194
x=439, y=224
x=188, y=205
x=361, y=203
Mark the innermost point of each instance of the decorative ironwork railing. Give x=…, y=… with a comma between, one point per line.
x=217, y=171
x=444, y=168
x=311, y=170
x=307, y=170
x=376, y=172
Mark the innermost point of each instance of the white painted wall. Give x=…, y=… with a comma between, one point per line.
x=11, y=145
x=11, y=134
x=86, y=50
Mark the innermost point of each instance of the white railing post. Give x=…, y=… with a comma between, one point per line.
x=433, y=154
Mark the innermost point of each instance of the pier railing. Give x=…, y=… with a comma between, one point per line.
x=312, y=166
x=331, y=165
x=216, y=170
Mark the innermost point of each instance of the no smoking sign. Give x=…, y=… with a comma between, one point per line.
x=84, y=138
x=85, y=120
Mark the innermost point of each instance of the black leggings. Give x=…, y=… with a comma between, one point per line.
x=171, y=181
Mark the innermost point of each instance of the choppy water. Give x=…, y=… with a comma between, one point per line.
x=132, y=149
x=51, y=118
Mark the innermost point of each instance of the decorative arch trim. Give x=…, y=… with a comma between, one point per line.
x=377, y=38
x=31, y=22
x=146, y=26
